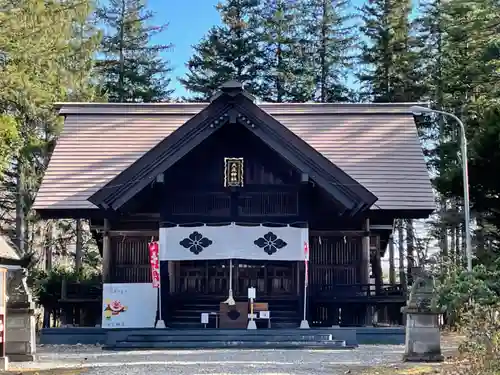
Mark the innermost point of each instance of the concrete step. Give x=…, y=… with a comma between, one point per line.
x=336, y=344
x=184, y=325
x=197, y=318
x=291, y=337
x=198, y=312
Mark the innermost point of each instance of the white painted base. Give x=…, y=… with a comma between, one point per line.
x=251, y=324
x=304, y=324
x=160, y=324
x=4, y=363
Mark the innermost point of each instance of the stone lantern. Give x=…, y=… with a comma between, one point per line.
x=423, y=336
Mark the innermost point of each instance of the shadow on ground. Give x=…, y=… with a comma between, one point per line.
x=45, y=372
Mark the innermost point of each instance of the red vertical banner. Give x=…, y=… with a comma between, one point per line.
x=306, y=263
x=155, y=263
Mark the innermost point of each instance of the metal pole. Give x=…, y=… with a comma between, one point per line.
x=465, y=172
x=305, y=301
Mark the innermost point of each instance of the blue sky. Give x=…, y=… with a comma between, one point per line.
x=188, y=21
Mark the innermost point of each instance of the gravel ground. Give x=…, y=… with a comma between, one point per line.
x=92, y=360
x=215, y=362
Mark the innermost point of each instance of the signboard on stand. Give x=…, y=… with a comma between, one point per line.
x=129, y=305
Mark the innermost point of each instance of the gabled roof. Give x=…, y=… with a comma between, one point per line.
x=230, y=106
x=8, y=252
x=376, y=144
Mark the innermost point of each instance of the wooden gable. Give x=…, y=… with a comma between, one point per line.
x=234, y=106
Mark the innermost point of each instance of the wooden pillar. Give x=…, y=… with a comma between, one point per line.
x=365, y=253
x=172, y=274
x=365, y=264
x=392, y=268
x=377, y=271
x=106, y=253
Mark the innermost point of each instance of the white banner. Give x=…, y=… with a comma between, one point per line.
x=129, y=305
x=233, y=242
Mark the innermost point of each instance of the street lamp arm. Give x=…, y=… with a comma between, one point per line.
x=462, y=126
x=417, y=110
x=465, y=172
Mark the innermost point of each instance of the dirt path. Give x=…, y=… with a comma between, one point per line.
x=449, y=346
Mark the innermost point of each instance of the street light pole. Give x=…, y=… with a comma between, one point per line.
x=417, y=110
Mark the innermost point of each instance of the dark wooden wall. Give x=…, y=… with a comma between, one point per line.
x=130, y=259
x=194, y=187
x=334, y=260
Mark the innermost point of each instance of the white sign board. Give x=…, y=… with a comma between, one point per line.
x=252, y=293
x=264, y=315
x=129, y=305
x=204, y=318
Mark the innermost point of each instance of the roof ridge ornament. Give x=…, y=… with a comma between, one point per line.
x=232, y=88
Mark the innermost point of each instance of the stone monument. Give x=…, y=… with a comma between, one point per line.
x=423, y=337
x=20, y=334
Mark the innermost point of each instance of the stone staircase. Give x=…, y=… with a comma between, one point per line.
x=225, y=339
x=187, y=315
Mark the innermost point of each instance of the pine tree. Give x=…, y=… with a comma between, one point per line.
x=132, y=69
x=430, y=28
x=9, y=139
x=27, y=97
x=329, y=40
x=84, y=43
x=469, y=62
x=390, y=59
x=227, y=52
x=388, y=56
x=284, y=77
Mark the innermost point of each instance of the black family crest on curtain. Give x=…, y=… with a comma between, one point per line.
x=195, y=242
x=270, y=243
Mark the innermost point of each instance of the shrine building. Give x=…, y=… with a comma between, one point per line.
x=239, y=195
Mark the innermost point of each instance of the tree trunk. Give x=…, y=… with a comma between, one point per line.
x=458, y=248
x=410, y=250
x=79, y=246
x=121, y=77
x=392, y=269
x=443, y=234
x=453, y=250
x=20, y=214
x=49, y=244
x=402, y=275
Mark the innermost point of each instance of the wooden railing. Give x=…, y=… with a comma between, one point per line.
x=357, y=292
x=81, y=292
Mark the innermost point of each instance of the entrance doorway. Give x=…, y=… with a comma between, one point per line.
x=211, y=278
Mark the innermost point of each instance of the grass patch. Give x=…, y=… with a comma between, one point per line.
x=62, y=371
x=401, y=370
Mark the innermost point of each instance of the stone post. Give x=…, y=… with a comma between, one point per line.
x=20, y=334
x=423, y=337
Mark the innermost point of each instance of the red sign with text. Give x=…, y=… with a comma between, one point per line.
x=155, y=263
